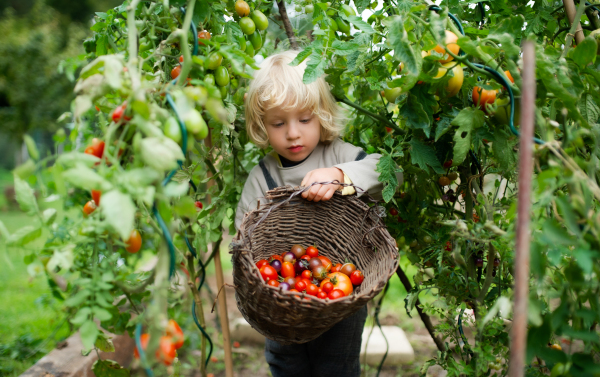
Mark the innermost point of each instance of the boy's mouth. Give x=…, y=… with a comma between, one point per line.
x=295, y=148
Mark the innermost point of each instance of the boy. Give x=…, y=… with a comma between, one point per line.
x=302, y=124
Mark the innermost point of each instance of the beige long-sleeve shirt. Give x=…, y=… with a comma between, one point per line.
x=353, y=161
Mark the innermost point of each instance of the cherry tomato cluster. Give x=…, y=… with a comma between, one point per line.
x=304, y=270
x=168, y=343
x=251, y=23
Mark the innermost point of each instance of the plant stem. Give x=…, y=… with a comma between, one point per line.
x=199, y=309
x=372, y=115
x=575, y=24
x=183, y=33
x=287, y=24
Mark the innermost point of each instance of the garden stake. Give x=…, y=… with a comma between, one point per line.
x=222, y=299
x=518, y=340
x=571, y=11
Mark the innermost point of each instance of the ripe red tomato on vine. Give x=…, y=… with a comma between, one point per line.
x=96, y=148
x=118, y=114
x=134, y=243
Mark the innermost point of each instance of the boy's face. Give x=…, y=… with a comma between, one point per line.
x=292, y=133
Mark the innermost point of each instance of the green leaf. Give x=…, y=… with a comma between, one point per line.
x=104, y=342
x=315, y=68
x=344, y=48
x=72, y=159
x=49, y=215
x=78, y=299
x=403, y=51
x=83, y=177
x=88, y=333
x=119, y=212
x=358, y=23
x=25, y=196
x=416, y=117
x=101, y=314
x=3, y=231
x=589, y=108
x=24, y=235
x=161, y=154
x=387, y=169
x=585, y=52
x=424, y=155
x=301, y=56
x=467, y=120
x=109, y=368
x=62, y=258
x=503, y=150
x=31, y=147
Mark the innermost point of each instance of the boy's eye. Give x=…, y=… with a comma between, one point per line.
x=305, y=120
x=278, y=124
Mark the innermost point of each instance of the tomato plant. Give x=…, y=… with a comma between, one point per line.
x=427, y=70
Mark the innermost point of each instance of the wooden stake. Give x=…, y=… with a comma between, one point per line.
x=518, y=334
x=571, y=11
x=222, y=298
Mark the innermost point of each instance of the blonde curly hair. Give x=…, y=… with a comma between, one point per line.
x=277, y=83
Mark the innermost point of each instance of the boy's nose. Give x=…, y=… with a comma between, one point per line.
x=293, y=131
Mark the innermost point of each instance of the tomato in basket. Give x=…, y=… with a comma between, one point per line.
x=312, y=251
x=261, y=263
x=268, y=273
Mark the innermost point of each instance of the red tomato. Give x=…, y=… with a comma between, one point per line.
x=340, y=281
x=287, y=270
x=198, y=205
x=236, y=344
x=357, y=277
x=96, y=149
x=294, y=290
x=261, y=263
x=305, y=257
x=89, y=207
x=312, y=290
x=393, y=211
x=134, y=243
x=96, y=194
x=278, y=257
x=306, y=274
x=322, y=295
x=336, y=267
x=300, y=285
x=118, y=114
x=327, y=286
x=175, y=333
x=273, y=283
x=307, y=281
x=326, y=262
x=181, y=59
x=335, y=294
x=203, y=35
x=312, y=251
x=144, y=341
x=347, y=269
x=175, y=72
x=268, y=273
x=166, y=352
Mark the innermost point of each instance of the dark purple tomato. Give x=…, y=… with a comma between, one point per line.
x=479, y=262
x=496, y=262
x=290, y=281
x=276, y=264
x=284, y=286
x=298, y=251
x=319, y=272
x=289, y=257
x=445, y=197
x=314, y=262
x=300, y=266
x=450, y=192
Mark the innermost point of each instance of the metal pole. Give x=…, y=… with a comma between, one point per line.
x=518, y=340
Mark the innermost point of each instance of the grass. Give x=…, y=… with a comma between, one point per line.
x=29, y=314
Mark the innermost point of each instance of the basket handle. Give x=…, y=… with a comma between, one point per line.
x=298, y=192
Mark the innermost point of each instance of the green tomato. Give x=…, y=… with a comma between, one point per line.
x=256, y=41
x=391, y=94
x=222, y=76
x=234, y=83
x=209, y=79
x=172, y=130
x=213, y=61
x=427, y=239
x=330, y=12
x=333, y=25
x=260, y=20
x=247, y=25
x=502, y=114
x=242, y=43
x=348, y=11
x=224, y=90
x=298, y=8
x=194, y=123
x=343, y=26
x=309, y=9
x=249, y=48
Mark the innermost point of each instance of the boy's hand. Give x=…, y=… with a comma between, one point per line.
x=322, y=192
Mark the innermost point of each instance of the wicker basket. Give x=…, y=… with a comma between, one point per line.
x=342, y=228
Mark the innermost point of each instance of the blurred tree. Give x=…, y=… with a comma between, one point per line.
x=33, y=92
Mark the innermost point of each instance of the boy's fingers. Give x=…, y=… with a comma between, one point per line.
x=322, y=192
x=310, y=194
x=328, y=195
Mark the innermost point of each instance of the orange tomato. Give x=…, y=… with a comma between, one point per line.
x=175, y=72
x=174, y=331
x=203, y=35
x=166, y=352
x=340, y=281
x=326, y=262
x=144, y=341
x=89, y=207
x=134, y=243
x=483, y=97
x=451, y=39
x=287, y=270
x=507, y=73
x=336, y=267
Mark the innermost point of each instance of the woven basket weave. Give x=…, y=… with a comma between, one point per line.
x=342, y=228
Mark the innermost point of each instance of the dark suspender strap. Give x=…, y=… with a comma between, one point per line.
x=361, y=155
x=270, y=181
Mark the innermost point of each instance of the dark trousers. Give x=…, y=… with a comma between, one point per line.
x=335, y=353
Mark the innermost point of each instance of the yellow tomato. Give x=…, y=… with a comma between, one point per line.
x=455, y=83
